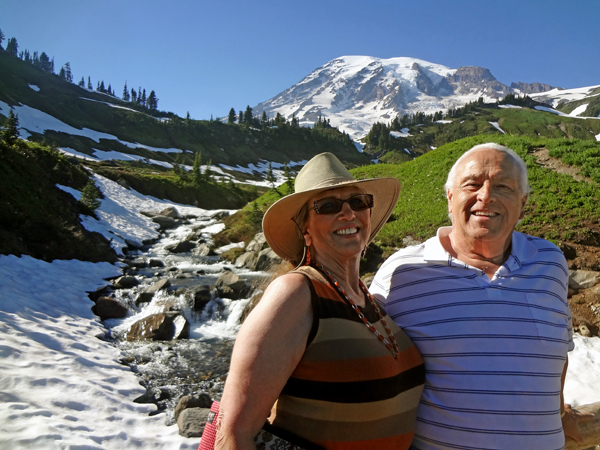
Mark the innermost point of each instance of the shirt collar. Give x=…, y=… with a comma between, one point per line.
x=522, y=250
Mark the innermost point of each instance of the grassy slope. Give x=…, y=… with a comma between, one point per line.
x=559, y=209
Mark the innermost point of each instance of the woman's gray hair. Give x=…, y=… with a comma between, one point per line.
x=523, y=180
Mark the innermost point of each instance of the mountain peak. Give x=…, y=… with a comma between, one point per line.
x=355, y=91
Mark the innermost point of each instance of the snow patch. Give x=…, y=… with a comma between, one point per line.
x=34, y=87
x=497, y=126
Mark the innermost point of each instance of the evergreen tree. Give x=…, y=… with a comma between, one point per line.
x=231, y=117
x=10, y=133
x=61, y=73
x=82, y=82
x=152, y=101
x=196, y=171
x=264, y=121
x=68, y=73
x=27, y=56
x=144, y=98
x=1, y=38
x=241, y=117
x=139, y=95
x=101, y=87
x=109, y=90
x=90, y=195
x=12, y=48
x=45, y=64
x=248, y=115
x=289, y=182
x=133, y=96
x=207, y=171
x=126, y=92
x=270, y=178
x=89, y=85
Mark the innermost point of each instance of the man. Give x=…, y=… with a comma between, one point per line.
x=487, y=307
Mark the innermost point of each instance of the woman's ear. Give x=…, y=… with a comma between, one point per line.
x=307, y=239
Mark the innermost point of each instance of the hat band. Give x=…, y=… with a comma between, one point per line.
x=329, y=182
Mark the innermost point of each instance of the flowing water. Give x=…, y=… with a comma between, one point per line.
x=171, y=369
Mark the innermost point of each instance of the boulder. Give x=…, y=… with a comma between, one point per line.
x=146, y=295
x=191, y=421
x=409, y=241
x=247, y=260
x=181, y=247
x=202, y=296
x=164, y=222
x=202, y=250
x=201, y=400
x=230, y=285
x=156, y=263
x=159, y=327
x=125, y=282
x=583, y=279
x=219, y=215
x=266, y=259
x=109, y=308
x=171, y=211
x=138, y=263
x=257, y=244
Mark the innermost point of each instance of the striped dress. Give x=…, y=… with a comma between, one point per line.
x=494, y=349
x=348, y=391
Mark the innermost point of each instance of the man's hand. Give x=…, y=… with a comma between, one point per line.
x=570, y=422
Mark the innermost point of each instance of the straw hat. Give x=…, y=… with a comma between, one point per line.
x=321, y=173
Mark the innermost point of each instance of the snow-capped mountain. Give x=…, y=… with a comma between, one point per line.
x=354, y=92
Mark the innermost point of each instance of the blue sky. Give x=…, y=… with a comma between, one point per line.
x=206, y=57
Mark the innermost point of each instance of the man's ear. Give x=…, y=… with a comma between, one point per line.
x=523, y=203
x=449, y=196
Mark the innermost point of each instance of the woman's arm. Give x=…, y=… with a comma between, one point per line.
x=268, y=348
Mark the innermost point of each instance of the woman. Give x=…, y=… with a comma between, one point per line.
x=304, y=357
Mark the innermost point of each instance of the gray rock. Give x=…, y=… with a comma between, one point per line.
x=159, y=327
x=171, y=211
x=201, y=400
x=146, y=295
x=126, y=282
x=181, y=247
x=202, y=250
x=230, y=285
x=247, y=260
x=164, y=222
x=156, y=263
x=219, y=215
x=133, y=244
x=583, y=279
x=409, y=241
x=257, y=244
x=191, y=421
x=202, y=296
x=266, y=259
x=109, y=308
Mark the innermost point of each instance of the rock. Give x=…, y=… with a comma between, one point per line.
x=202, y=250
x=230, y=285
x=181, y=247
x=202, y=296
x=104, y=291
x=584, y=330
x=171, y=211
x=583, y=279
x=219, y=215
x=201, y=400
x=164, y=222
x=126, y=282
x=138, y=263
x=150, y=214
x=194, y=237
x=133, y=244
x=159, y=327
x=266, y=259
x=257, y=244
x=146, y=295
x=247, y=260
x=109, y=308
x=191, y=421
x=156, y=263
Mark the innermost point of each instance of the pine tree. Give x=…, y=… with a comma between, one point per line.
x=2, y=37
x=101, y=87
x=289, y=182
x=10, y=133
x=109, y=90
x=133, y=96
x=270, y=178
x=89, y=85
x=196, y=171
x=12, y=48
x=264, y=121
x=82, y=82
x=208, y=171
x=241, y=117
x=90, y=195
x=126, y=92
x=61, y=73
x=231, y=117
x=152, y=101
x=45, y=64
x=248, y=115
x=144, y=98
x=68, y=73
x=27, y=56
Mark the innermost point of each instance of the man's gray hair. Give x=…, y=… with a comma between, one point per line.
x=523, y=180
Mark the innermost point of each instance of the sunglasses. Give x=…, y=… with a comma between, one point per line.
x=358, y=202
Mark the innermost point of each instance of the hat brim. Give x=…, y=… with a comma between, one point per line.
x=284, y=237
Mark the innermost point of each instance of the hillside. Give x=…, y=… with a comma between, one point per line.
x=62, y=114
x=560, y=208
x=518, y=117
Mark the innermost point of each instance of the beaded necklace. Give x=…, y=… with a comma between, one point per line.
x=393, y=345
